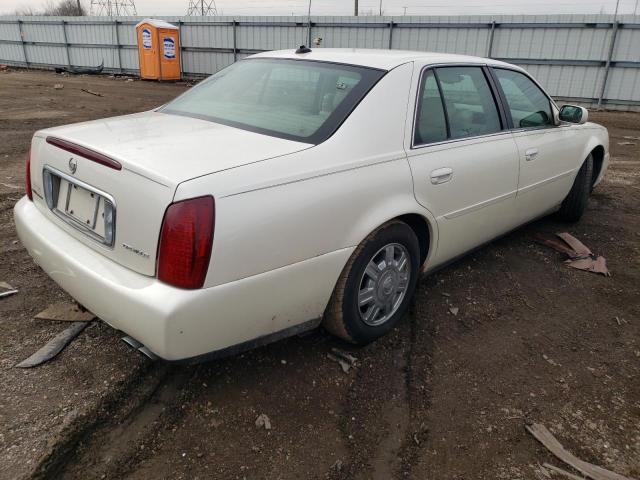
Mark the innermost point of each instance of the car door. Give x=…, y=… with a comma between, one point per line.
x=463, y=159
x=547, y=152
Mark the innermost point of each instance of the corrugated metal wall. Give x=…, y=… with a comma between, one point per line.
x=587, y=58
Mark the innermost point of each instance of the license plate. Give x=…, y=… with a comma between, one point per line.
x=80, y=205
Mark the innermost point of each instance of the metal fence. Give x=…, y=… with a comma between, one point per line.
x=590, y=59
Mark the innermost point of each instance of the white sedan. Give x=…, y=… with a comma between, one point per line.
x=296, y=188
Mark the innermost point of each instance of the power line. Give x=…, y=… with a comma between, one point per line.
x=481, y=7
x=439, y=5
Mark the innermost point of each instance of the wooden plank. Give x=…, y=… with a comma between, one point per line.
x=546, y=438
x=65, y=312
x=562, y=472
x=54, y=346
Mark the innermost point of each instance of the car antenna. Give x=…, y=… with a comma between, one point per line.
x=303, y=49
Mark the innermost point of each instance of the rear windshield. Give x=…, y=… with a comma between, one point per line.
x=299, y=100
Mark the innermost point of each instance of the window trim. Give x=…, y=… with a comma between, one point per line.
x=504, y=126
x=503, y=98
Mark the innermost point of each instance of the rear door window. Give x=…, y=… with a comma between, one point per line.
x=431, y=124
x=470, y=106
x=527, y=103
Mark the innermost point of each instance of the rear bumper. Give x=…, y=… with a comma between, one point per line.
x=176, y=324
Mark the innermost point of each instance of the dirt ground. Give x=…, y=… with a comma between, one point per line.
x=443, y=397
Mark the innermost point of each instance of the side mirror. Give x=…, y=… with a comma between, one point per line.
x=573, y=114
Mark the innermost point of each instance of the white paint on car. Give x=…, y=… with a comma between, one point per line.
x=288, y=213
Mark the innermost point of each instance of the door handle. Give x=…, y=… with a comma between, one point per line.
x=441, y=175
x=531, y=154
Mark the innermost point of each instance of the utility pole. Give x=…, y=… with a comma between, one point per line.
x=381, y=7
x=80, y=8
x=355, y=7
x=308, y=42
x=615, y=14
x=635, y=9
x=112, y=8
x=405, y=10
x=203, y=8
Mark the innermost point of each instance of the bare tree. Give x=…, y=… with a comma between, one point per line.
x=26, y=11
x=65, y=8
x=62, y=8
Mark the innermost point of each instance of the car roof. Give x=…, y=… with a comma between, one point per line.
x=377, y=58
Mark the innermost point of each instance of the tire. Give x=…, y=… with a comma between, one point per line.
x=576, y=201
x=395, y=285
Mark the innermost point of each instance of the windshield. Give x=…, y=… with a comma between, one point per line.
x=299, y=100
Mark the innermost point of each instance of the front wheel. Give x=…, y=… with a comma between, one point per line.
x=576, y=201
x=375, y=288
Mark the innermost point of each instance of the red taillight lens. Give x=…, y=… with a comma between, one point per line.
x=27, y=179
x=185, y=242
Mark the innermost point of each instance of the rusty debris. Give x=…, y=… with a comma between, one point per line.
x=557, y=245
x=66, y=312
x=546, y=438
x=589, y=264
x=580, y=248
x=580, y=256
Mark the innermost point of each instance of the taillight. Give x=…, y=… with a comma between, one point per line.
x=185, y=242
x=27, y=179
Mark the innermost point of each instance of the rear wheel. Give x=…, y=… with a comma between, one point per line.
x=576, y=201
x=375, y=288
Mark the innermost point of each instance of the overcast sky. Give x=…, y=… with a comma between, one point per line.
x=345, y=7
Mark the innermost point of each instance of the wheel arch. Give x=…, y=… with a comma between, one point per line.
x=596, y=144
x=334, y=314
x=424, y=227
x=598, y=160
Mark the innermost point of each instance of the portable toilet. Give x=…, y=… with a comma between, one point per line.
x=158, y=50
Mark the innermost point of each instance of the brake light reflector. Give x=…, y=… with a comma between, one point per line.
x=27, y=179
x=185, y=242
x=85, y=152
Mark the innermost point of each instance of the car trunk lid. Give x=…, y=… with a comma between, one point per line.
x=171, y=148
x=118, y=211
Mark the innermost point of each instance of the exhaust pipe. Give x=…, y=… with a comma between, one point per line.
x=136, y=345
